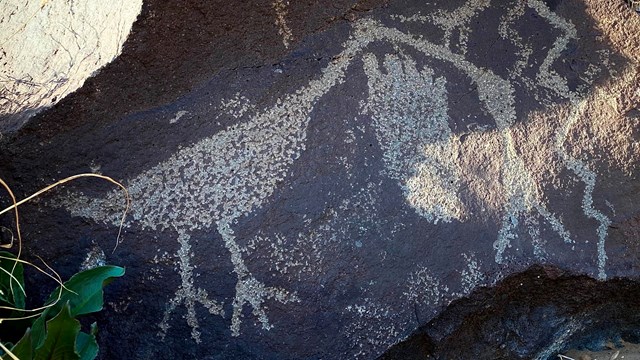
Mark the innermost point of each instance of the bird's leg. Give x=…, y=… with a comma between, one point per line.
x=187, y=294
x=249, y=290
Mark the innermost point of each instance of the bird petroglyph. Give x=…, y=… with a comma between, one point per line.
x=222, y=178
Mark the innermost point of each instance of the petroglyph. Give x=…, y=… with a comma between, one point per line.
x=178, y=116
x=280, y=6
x=231, y=174
x=449, y=21
x=197, y=188
x=522, y=192
x=521, y=189
x=496, y=94
x=547, y=77
x=553, y=81
x=187, y=294
x=588, y=177
x=459, y=19
x=423, y=288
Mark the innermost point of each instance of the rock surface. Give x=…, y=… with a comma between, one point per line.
x=535, y=314
x=49, y=48
x=320, y=179
x=532, y=315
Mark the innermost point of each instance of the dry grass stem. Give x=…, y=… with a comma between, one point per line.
x=51, y=273
x=4, y=348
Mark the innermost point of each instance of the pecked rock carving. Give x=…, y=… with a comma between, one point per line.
x=223, y=178
x=409, y=110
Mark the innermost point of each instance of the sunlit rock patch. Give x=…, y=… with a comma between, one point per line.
x=49, y=48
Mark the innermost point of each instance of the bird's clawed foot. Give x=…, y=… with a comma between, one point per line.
x=251, y=291
x=189, y=296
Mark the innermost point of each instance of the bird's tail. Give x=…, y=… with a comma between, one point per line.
x=107, y=209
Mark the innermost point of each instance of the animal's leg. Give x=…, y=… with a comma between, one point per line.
x=187, y=293
x=510, y=223
x=533, y=227
x=249, y=290
x=505, y=235
x=555, y=223
x=173, y=303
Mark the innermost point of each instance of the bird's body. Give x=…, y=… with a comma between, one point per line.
x=216, y=181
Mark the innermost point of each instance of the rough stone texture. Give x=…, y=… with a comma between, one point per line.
x=319, y=179
x=531, y=315
x=48, y=49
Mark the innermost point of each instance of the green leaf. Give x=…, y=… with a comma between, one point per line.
x=87, y=298
x=38, y=332
x=87, y=295
x=11, y=292
x=94, y=329
x=23, y=349
x=60, y=343
x=86, y=346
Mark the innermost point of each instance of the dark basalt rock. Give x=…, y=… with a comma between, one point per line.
x=326, y=199
x=531, y=315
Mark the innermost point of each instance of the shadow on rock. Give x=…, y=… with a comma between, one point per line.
x=531, y=315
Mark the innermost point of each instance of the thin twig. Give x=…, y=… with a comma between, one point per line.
x=65, y=180
x=56, y=277
x=17, y=218
x=4, y=348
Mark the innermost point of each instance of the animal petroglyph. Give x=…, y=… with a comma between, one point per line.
x=552, y=80
x=522, y=192
x=449, y=21
x=215, y=182
x=231, y=174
